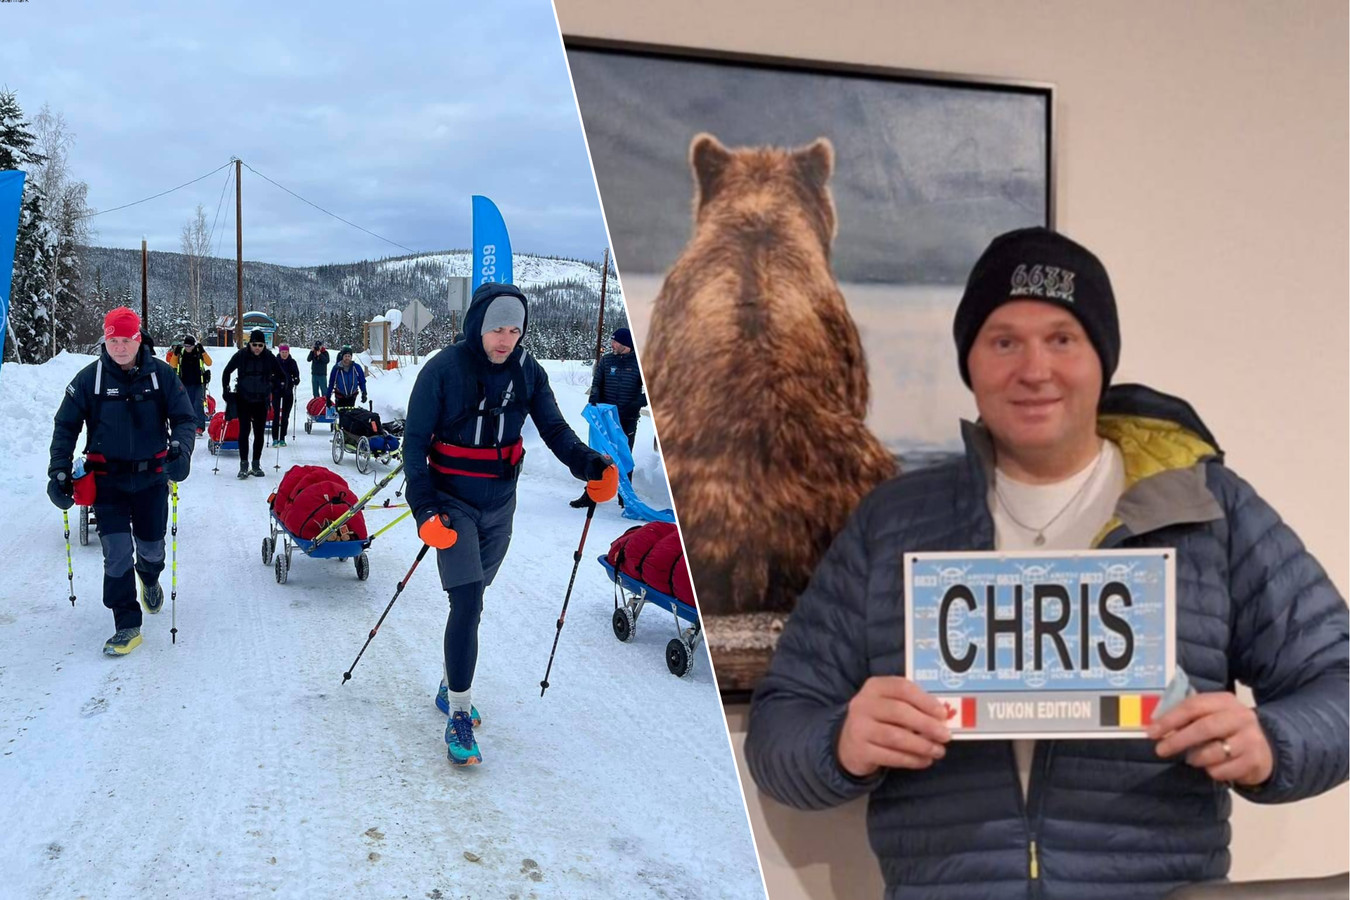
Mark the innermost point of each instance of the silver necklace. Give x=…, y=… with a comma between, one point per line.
x=1039, y=540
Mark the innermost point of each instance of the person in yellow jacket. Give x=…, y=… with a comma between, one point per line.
x=191, y=361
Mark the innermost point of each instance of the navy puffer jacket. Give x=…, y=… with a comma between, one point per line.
x=618, y=380
x=1105, y=818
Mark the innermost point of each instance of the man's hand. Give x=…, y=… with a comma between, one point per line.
x=1218, y=734
x=61, y=490
x=892, y=723
x=434, y=529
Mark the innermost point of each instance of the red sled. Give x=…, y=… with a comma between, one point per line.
x=222, y=435
x=309, y=502
x=647, y=565
x=318, y=410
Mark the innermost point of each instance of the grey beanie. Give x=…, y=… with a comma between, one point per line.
x=505, y=310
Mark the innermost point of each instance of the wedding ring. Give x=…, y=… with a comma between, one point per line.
x=1227, y=750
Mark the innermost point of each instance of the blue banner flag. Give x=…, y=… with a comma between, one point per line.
x=607, y=437
x=11, y=197
x=491, y=244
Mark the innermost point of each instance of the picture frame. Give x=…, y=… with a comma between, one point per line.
x=927, y=167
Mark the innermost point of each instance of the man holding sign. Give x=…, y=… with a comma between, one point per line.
x=1130, y=562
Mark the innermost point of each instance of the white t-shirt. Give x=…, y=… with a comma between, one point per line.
x=1079, y=506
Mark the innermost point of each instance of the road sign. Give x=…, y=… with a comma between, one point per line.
x=416, y=316
x=1041, y=645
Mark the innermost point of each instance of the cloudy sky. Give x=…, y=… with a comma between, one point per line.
x=389, y=115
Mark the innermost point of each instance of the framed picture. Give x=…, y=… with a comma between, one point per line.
x=893, y=181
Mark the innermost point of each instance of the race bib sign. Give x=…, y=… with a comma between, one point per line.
x=1059, y=644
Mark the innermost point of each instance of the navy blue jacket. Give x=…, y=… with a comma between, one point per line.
x=618, y=380
x=132, y=416
x=454, y=387
x=1105, y=818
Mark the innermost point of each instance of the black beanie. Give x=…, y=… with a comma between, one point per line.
x=257, y=337
x=1040, y=264
x=624, y=336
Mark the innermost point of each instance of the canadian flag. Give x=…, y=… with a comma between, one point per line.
x=960, y=711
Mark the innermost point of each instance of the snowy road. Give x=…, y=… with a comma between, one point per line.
x=236, y=764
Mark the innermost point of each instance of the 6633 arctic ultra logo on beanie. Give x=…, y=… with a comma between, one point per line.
x=1050, y=282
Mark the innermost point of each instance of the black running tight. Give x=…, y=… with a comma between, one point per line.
x=461, y=635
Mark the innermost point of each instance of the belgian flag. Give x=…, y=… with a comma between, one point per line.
x=1127, y=710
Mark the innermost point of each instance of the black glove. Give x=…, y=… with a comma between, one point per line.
x=227, y=395
x=177, y=464
x=60, y=489
x=596, y=466
x=363, y=399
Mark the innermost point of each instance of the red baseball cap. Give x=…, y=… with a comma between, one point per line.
x=122, y=323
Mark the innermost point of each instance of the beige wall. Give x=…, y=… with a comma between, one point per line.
x=1203, y=154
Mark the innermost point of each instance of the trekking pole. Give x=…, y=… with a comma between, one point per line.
x=173, y=593
x=70, y=569
x=346, y=676
x=576, y=564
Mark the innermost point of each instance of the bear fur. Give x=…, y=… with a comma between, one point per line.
x=758, y=380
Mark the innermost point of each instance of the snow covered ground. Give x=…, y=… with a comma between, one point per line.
x=237, y=764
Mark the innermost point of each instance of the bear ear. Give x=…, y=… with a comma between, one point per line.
x=815, y=162
x=709, y=160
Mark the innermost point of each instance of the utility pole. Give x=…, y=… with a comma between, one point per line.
x=600, y=329
x=238, y=254
x=145, y=303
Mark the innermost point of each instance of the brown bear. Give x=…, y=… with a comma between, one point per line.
x=757, y=378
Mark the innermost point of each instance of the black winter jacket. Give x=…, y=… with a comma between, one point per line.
x=318, y=363
x=290, y=376
x=618, y=380
x=259, y=376
x=1105, y=819
x=458, y=384
x=131, y=417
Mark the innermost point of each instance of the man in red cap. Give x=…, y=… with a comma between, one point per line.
x=141, y=430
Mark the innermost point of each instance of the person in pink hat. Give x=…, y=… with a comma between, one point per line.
x=283, y=397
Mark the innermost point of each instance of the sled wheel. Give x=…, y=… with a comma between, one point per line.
x=362, y=567
x=84, y=526
x=678, y=659
x=309, y=427
x=269, y=547
x=283, y=566
x=338, y=447
x=363, y=455
x=625, y=626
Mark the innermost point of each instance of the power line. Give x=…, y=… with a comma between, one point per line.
x=216, y=218
x=324, y=211
x=160, y=194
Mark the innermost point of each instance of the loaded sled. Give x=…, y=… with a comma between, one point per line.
x=313, y=510
x=318, y=412
x=361, y=433
x=647, y=565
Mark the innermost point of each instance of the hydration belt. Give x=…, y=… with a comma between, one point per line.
x=477, y=462
x=98, y=464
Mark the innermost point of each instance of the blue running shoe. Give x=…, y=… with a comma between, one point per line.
x=461, y=748
x=443, y=704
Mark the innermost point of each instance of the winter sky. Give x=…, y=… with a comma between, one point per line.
x=390, y=116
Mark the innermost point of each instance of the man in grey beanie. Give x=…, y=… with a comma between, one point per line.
x=462, y=455
x=1060, y=460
